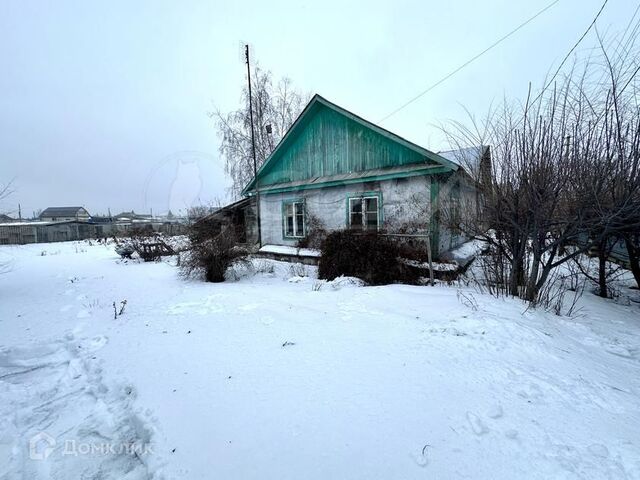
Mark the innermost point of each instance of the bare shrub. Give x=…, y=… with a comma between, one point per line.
x=316, y=233
x=602, y=275
x=211, y=255
x=489, y=272
x=298, y=270
x=468, y=300
x=119, y=312
x=369, y=256
x=558, y=295
x=263, y=266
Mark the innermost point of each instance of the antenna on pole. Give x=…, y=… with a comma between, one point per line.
x=253, y=144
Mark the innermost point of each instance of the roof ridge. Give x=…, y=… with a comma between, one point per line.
x=317, y=98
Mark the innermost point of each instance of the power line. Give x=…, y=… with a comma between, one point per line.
x=629, y=26
x=593, y=22
x=452, y=73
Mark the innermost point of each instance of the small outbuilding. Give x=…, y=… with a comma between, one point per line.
x=64, y=214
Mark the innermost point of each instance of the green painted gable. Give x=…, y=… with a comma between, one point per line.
x=327, y=140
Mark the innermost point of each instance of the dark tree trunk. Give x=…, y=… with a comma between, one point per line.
x=634, y=259
x=602, y=272
x=517, y=266
x=516, y=269
x=532, y=282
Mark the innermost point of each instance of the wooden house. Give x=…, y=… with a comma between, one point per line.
x=339, y=170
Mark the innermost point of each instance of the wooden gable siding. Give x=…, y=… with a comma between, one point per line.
x=330, y=143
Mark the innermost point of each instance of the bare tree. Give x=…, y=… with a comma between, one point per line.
x=610, y=167
x=565, y=177
x=530, y=208
x=197, y=212
x=5, y=190
x=275, y=108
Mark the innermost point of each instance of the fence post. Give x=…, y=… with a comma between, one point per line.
x=430, y=259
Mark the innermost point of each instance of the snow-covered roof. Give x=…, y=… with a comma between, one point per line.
x=468, y=158
x=62, y=212
x=131, y=215
x=28, y=224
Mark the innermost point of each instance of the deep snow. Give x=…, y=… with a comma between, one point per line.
x=277, y=375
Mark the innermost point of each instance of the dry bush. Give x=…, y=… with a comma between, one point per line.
x=371, y=257
x=211, y=255
x=316, y=233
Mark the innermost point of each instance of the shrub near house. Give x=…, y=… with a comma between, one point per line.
x=369, y=256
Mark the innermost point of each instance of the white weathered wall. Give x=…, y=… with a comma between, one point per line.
x=330, y=205
x=404, y=202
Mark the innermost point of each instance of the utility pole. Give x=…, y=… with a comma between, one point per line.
x=253, y=146
x=19, y=213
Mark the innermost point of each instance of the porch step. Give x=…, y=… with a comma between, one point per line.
x=306, y=256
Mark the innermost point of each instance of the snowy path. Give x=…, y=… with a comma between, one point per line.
x=56, y=403
x=269, y=378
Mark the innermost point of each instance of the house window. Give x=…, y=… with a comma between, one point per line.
x=364, y=212
x=294, y=219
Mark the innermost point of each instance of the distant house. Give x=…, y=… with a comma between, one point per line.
x=6, y=219
x=345, y=172
x=131, y=216
x=64, y=214
x=40, y=231
x=475, y=161
x=59, y=224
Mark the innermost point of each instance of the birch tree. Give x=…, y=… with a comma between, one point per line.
x=275, y=108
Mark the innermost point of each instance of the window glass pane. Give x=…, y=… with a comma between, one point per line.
x=289, y=226
x=294, y=219
x=372, y=220
x=356, y=221
x=355, y=213
x=371, y=204
x=288, y=219
x=299, y=221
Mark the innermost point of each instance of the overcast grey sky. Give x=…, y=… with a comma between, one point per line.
x=104, y=104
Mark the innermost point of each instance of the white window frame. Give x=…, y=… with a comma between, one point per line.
x=297, y=207
x=363, y=213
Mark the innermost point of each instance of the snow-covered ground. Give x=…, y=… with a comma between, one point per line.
x=277, y=375
x=286, y=250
